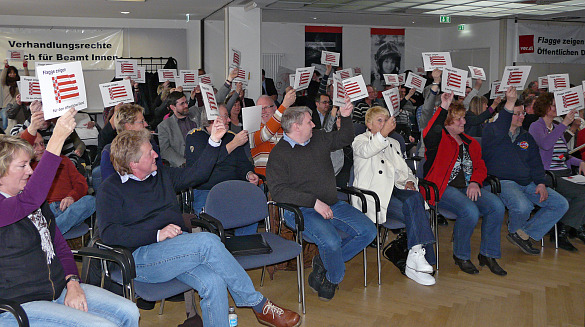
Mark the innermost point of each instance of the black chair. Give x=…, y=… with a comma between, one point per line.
x=16, y=310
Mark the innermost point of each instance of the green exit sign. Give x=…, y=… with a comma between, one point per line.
x=461, y=27
x=445, y=19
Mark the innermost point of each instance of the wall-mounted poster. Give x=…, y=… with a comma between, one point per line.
x=321, y=38
x=387, y=54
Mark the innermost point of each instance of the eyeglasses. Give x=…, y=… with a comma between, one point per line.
x=523, y=113
x=268, y=107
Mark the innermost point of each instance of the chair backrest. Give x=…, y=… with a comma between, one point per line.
x=236, y=203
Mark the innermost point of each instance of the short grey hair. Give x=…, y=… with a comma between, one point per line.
x=293, y=115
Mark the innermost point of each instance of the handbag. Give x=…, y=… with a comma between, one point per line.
x=397, y=252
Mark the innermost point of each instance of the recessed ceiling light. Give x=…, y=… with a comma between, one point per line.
x=124, y=12
x=314, y=17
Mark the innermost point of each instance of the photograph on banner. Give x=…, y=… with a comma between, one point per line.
x=235, y=57
x=209, y=101
x=543, y=82
x=345, y=73
x=515, y=76
x=188, y=79
x=126, y=67
x=355, y=88
x=116, y=92
x=39, y=64
x=558, y=82
x=496, y=91
x=251, y=118
x=432, y=60
x=569, y=99
x=454, y=79
x=319, y=39
x=62, y=88
x=477, y=73
x=331, y=58
x=166, y=75
x=303, y=77
x=15, y=55
x=205, y=79
x=415, y=81
x=401, y=78
x=387, y=52
x=392, y=99
x=338, y=91
x=548, y=43
x=140, y=75
x=391, y=79
x=29, y=88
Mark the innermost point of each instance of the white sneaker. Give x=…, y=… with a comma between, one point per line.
x=420, y=277
x=416, y=260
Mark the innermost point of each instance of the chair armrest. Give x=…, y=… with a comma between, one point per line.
x=428, y=184
x=215, y=225
x=373, y=195
x=16, y=310
x=553, y=178
x=129, y=267
x=122, y=258
x=494, y=182
x=354, y=191
x=299, y=219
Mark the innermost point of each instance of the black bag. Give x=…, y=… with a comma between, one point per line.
x=397, y=251
x=247, y=245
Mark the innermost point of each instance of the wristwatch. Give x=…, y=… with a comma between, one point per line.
x=70, y=278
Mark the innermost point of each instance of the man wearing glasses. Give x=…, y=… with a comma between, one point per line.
x=323, y=105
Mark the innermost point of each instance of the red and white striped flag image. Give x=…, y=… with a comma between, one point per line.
x=126, y=68
x=138, y=74
x=570, y=99
x=117, y=92
x=34, y=88
x=352, y=88
x=544, y=83
x=206, y=79
x=477, y=72
x=242, y=74
x=188, y=78
x=498, y=88
x=401, y=79
x=416, y=81
x=453, y=80
x=304, y=79
x=515, y=78
x=560, y=82
x=340, y=91
x=438, y=61
x=168, y=75
x=236, y=58
x=394, y=100
x=211, y=99
x=65, y=87
x=329, y=57
x=344, y=75
x=15, y=55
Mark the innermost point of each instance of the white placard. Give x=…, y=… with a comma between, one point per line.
x=62, y=88
x=454, y=79
x=188, y=79
x=477, y=73
x=332, y=58
x=126, y=67
x=303, y=77
x=355, y=87
x=402, y=78
x=205, y=79
x=235, y=58
x=166, y=75
x=543, y=82
x=415, y=81
x=392, y=99
x=391, y=79
x=251, y=118
x=211, y=108
x=338, y=91
x=357, y=71
x=558, y=82
x=567, y=100
x=583, y=83
x=242, y=77
x=345, y=73
x=30, y=89
x=140, y=75
x=432, y=60
x=515, y=76
x=496, y=91
x=39, y=64
x=115, y=92
x=577, y=179
x=291, y=80
x=15, y=55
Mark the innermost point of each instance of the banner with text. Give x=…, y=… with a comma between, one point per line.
x=540, y=43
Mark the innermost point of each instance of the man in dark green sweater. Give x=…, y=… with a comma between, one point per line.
x=300, y=172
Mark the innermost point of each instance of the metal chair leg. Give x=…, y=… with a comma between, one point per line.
x=301, y=267
x=262, y=276
x=162, y=306
x=365, y=269
x=556, y=237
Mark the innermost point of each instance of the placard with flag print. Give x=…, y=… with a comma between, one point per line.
x=62, y=88
x=402, y=78
x=558, y=82
x=235, y=58
x=211, y=107
x=331, y=58
x=338, y=91
x=345, y=73
x=126, y=67
x=477, y=73
x=166, y=75
x=115, y=92
x=391, y=79
x=355, y=87
x=415, y=81
x=205, y=79
x=543, y=82
x=15, y=55
x=515, y=76
x=496, y=91
x=303, y=77
x=569, y=99
x=357, y=71
x=392, y=99
x=188, y=79
x=29, y=88
x=39, y=64
x=242, y=77
x=140, y=75
x=454, y=79
x=432, y=60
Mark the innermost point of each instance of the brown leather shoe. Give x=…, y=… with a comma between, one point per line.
x=275, y=316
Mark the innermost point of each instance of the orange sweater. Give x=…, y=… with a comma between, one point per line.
x=263, y=140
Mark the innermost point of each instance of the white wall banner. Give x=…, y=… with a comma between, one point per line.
x=544, y=43
x=95, y=49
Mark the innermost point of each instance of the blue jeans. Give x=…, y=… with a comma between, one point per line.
x=96, y=177
x=104, y=309
x=199, y=199
x=75, y=214
x=201, y=261
x=520, y=201
x=4, y=116
x=408, y=207
x=357, y=231
x=487, y=205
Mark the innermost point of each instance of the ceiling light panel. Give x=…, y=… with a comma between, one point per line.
x=453, y=2
x=462, y=8
x=513, y=5
x=486, y=10
x=399, y=5
x=430, y=6
x=440, y=12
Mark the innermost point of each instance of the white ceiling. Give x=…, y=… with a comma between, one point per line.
x=420, y=13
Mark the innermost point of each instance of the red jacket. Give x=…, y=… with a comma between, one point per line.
x=442, y=151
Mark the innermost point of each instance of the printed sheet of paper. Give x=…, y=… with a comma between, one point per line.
x=15, y=55
x=251, y=118
x=166, y=75
x=402, y=78
x=205, y=79
x=211, y=108
x=242, y=77
x=355, y=88
x=62, y=88
x=188, y=79
x=415, y=81
x=140, y=75
x=454, y=79
x=558, y=82
x=338, y=91
x=392, y=99
x=303, y=77
x=116, y=92
x=291, y=79
x=477, y=73
x=496, y=91
x=543, y=82
x=39, y=64
x=515, y=76
x=345, y=73
x=235, y=58
x=126, y=67
x=432, y=60
x=391, y=79
x=30, y=89
x=332, y=58
x=569, y=99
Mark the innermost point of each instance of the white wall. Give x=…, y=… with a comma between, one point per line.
x=214, y=50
